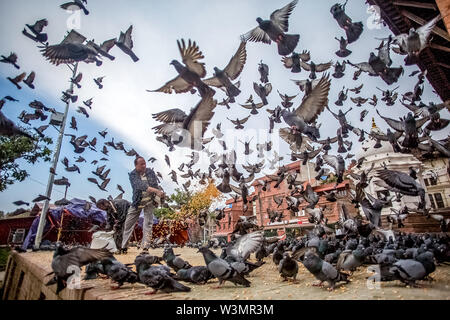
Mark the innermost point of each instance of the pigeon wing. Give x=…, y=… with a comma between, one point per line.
x=108, y=44
x=315, y=103
x=287, y=61
x=170, y=116
x=81, y=256
x=167, y=128
x=394, y=124
x=331, y=160
x=425, y=30
x=203, y=113
x=256, y=35
x=237, y=62
x=323, y=66
x=248, y=243
x=31, y=77
x=242, y=121
x=179, y=85
x=191, y=54
x=280, y=17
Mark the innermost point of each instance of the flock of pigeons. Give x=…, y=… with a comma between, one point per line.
x=70, y=51
x=328, y=257
x=179, y=129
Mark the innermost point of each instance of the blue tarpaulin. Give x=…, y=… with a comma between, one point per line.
x=94, y=215
x=76, y=208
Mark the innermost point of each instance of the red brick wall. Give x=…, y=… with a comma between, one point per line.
x=265, y=201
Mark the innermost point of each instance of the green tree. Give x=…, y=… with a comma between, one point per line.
x=163, y=212
x=18, y=147
x=179, y=198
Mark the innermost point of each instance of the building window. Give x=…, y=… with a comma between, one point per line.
x=433, y=181
x=342, y=193
x=439, y=200
x=426, y=182
x=432, y=201
x=18, y=236
x=300, y=213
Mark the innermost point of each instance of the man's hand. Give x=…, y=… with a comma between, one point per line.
x=158, y=192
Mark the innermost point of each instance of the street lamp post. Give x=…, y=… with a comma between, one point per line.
x=51, y=176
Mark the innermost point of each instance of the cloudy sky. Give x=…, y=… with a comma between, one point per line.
x=125, y=107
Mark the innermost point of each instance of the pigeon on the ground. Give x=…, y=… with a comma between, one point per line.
x=157, y=277
x=288, y=267
x=322, y=270
x=65, y=262
x=174, y=261
x=197, y=275
x=221, y=269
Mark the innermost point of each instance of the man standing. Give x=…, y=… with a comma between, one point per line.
x=116, y=211
x=146, y=195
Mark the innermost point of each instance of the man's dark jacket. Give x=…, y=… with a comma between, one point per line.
x=140, y=186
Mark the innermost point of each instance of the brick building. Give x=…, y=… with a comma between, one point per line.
x=294, y=224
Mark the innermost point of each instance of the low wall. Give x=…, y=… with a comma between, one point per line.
x=25, y=280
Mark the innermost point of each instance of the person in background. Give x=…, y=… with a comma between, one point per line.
x=147, y=194
x=116, y=211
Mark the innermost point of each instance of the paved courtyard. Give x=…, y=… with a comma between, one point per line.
x=266, y=284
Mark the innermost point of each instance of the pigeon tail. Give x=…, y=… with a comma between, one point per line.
x=312, y=132
x=233, y=91
x=239, y=279
x=264, y=101
x=205, y=90
x=354, y=31
x=287, y=45
x=343, y=53
x=342, y=149
x=411, y=59
x=178, y=287
x=296, y=68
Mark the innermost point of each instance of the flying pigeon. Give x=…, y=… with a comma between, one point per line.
x=98, y=82
x=263, y=70
x=313, y=68
x=336, y=162
x=309, y=110
x=125, y=43
x=352, y=29
x=76, y=257
x=343, y=51
x=193, y=125
x=75, y=5
x=293, y=62
x=15, y=81
x=222, y=78
x=37, y=29
x=9, y=129
x=11, y=59
x=415, y=41
x=190, y=74
x=274, y=30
